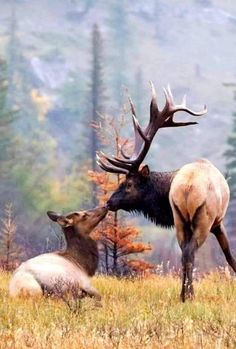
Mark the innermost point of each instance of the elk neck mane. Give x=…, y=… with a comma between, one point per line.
x=156, y=206
x=81, y=250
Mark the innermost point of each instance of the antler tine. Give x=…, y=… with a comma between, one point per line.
x=184, y=100
x=116, y=161
x=170, y=95
x=154, y=94
x=122, y=151
x=143, y=138
x=132, y=106
x=169, y=99
x=137, y=128
x=171, y=108
x=109, y=168
x=190, y=111
x=154, y=111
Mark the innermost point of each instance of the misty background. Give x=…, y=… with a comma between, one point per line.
x=64, y=64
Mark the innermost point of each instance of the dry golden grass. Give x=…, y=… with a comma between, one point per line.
x=141, y=313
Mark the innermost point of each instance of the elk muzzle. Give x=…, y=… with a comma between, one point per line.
x=115, y=202
x=96, y=215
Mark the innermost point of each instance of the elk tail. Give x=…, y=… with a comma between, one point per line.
x=189, y=224
x=197, y=214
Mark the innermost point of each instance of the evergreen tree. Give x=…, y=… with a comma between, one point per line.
x=7, y=135
x=72, y=97
x=97, y=97
x=230, y=156
x=139, y=93
x=119, y=31
x=18, y=71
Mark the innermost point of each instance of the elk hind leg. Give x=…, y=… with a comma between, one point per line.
x=200, y=233
x=188, y=253
x=187, y=244
x=220, y=234
x=92, y=292
x=23, y=284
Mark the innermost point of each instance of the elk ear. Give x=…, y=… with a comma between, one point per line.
x=53, y=215
x=145, y=172
x=60, y=219
x=65, y=222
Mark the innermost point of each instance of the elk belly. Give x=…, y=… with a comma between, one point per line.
x=52, y=272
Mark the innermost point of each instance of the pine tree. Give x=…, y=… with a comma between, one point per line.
x=119, y=31
x=139, y=92
x=97, y=96
x=18, y=72
x=230, y=156
x=8, y=142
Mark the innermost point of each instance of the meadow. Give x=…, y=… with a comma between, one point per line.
x=135, y=313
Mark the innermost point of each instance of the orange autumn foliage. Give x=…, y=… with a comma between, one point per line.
x=140, y=266
x=118, y=240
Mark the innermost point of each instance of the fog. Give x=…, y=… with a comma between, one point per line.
x=47, y=57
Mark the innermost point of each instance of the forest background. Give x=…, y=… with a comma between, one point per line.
x=66, y=69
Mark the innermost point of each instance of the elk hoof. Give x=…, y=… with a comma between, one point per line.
x=187, y=293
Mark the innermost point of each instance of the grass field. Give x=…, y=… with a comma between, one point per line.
x=140, y=313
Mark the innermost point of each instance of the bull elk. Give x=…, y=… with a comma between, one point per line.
x=58, y=273
x=194, y=198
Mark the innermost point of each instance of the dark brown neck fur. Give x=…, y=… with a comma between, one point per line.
x=155, y=204
x=81, y=249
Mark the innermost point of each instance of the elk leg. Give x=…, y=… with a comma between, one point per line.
x=92, y=292
x=183, y=237
x=220, y=233
x=184, y=280
x=188, y=244
x=188, y=252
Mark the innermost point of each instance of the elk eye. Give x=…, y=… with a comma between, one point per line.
x=129, y=185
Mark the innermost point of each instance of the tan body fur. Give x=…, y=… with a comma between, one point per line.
x=199, y=195
x=63, y=272
x=48, y=272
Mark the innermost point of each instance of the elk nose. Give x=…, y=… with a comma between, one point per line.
x=108, y=204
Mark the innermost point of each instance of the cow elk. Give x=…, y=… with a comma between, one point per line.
x=194, y=198
x=58, y=273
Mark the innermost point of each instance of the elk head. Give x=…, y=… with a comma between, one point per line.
x=82, y=222
x=130, y=194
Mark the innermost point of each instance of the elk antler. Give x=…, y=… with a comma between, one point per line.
x=143, y=138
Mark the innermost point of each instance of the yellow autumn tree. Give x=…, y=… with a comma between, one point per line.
x=42, y=102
